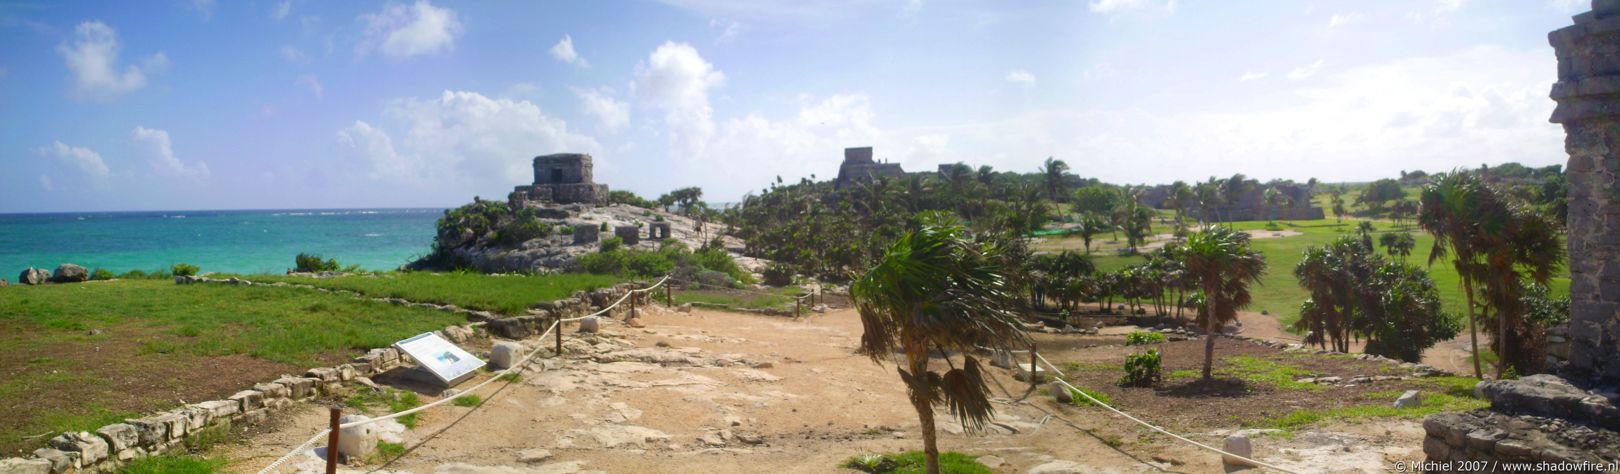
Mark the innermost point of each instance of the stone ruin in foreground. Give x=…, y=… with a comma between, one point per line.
x=1573, y=419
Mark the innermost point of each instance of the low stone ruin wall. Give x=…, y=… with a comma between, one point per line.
x=1536, y=419
x=110, y=447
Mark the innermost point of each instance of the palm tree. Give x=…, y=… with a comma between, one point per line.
x=936, y=290
x=1222, y=263
x=1448, y=210
x=1054, y=170
x=1397, y=244
x=1091, y=225
x=1179, y=197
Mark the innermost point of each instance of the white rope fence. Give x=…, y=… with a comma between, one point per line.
x=1150, y=425
x=555, y=326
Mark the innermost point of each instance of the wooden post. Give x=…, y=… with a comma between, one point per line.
x=797, y=302
x=632, y=314
x=332, y=441
x=669, y=295
x=559, y=336
x=1033, y=367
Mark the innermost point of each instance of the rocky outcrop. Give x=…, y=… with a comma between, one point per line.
x=70, y=273
x=34, y=276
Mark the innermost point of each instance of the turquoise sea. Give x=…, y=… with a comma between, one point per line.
x=218, y=241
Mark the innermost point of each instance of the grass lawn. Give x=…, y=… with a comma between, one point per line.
x=505, y=294
x=1280, y=294
x=753, y=299
x=78, y=356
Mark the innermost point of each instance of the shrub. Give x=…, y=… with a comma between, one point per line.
x=716, y=279
x=1079, y=400
x=133, y=274
x=778, y=274
x=604, y=227
x=311, y=263
x=1137, y=338
x=1141, y=369
x=568, y=230
x=1273, y=226
x=184, y=269
x=522, y=230
x=101, y=274
x=611, y=244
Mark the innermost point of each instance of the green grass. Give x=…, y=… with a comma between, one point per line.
x=1081, y=401
x=913, y=462
x=393, y=400
x=1265, y=371
x=1279, y=294
x=778, y=298
x=505, y=294
x=468, y=401
x=173, y=464
x=1379, y=405
x=287, y=325
x=387, y=451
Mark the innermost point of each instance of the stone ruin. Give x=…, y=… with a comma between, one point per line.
x=657, y=231
x=859, y=167
x=563, y=178
x=1571, y=419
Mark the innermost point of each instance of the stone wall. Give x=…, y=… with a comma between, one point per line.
x=859, y=167
x=1588, y=95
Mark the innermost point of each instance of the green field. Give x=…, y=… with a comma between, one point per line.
x=1279, y=293
x=505, y=294
x=79, y=356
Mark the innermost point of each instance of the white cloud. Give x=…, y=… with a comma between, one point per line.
x=92, y=57
x=564, y=51
x=1021, y=77
x=460, y=143
x=46, y=184
x=1113, y=6
x=294, y=55
x=676, y=79
x=753, y=149
x=729, y=30
x=155, y=146
x=281, y=10
x=1340, y=19
x=204, y=8
x=400, y=32
x=1251, y=76
x=309, y=81
x=1438, y=15
x=1303, y=72
x=84, y=159
x=611, y=114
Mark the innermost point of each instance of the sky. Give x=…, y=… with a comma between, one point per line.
x=278, y=104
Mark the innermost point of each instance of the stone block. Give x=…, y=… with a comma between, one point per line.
x=120, y=436
x=255, y=416
x=505, y=353
x=298, y=388
x=1025, y=369
x=154, y=430
x=91, y=448
x=346, y=372
x=1436, y=448
x=218, y=410
x=324, y=374
x=1410, y=399
x=1483, y=440
x=1239, y=445
x=357, y=442
x=1060, y=393
x=272, y=390
x=589, y=325
x=248, y=400
x=61, y=461
x=631, y=234
x=24, y=466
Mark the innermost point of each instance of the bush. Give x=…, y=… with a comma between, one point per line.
x=604, y=227
x=611, y=244
x=778, y=274
x=1137, y=338
x=568, y=230
x=522, y=230
x=1079, y=400
x=714, y=279
x=1141, y=369
x=133, y=274
x=950, y=462
x=184, y=269
x=101, y=274
x=311, y=263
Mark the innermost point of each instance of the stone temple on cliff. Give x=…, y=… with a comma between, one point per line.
x=563, y=178
x=859, y=167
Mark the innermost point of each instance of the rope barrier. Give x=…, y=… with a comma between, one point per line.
x=1150, y=425
x=555, y=326
x=745, y=290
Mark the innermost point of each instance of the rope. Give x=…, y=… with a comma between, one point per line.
x=1150, y=425
x=496, y=376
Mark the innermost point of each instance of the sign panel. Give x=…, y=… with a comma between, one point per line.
x=441, y=358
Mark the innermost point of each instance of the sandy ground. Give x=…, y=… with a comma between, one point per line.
x=725, y=392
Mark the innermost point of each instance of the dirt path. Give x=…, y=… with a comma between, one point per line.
x=726, y=392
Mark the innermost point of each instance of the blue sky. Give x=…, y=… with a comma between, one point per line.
x=301, y=104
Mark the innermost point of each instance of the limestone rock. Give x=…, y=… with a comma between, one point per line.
x=635, y=323
x=61, y=461
x=589, y=325
x=24, y=466
x=1410, y=399
x=504, y=354
x=531, y=456
x=1239, y=445
x=991, y=461
x=357, y=442
x=91, y=448
x=1062, y=467
x=120, y=436
x=70, y=273
x=34, y=276
x=4, y=283
x=1061, y=393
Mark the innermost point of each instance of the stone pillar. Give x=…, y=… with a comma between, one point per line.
x=631, y=234
x=658, y=231
x=585, y=234
x=1588, y=96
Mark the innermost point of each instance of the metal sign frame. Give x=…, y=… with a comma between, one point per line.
x=445, y=360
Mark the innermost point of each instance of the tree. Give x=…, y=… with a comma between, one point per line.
x=936, y=290
x=1091, y=225
x=1180, y=196
x=1397, y=244
x=1375, y=195
x=1448, y=208
x=1054, y=170
x=1336, y=197
x=1209, y=199
x=1275, y=199
x=1224, y=266
x=686, y=198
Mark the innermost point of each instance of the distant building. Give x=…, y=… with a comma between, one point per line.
x=859, y=167
x=563, y=178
